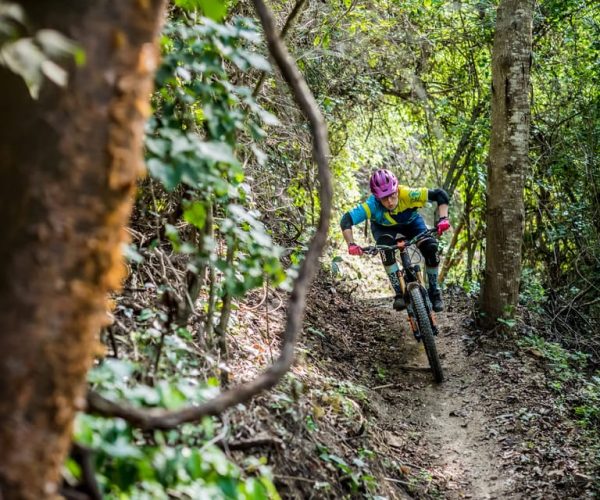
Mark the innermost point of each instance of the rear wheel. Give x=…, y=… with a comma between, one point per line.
x=426, y=331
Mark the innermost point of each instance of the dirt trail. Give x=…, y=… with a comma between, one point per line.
x=453, y=427
x=446, y=429
x=443, y=429
x=494, y=429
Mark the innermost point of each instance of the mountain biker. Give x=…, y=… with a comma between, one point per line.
x=392, y=209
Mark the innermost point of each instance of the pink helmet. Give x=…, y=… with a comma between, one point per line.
x=383, y=183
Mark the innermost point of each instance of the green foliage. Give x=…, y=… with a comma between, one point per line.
x=566, y=365
x=399, y=84
x=356, y=474
x=562, y=241
x=183, y=462
x=195, y=100
x=569, y=378
x=533, y=294
x=131, y=465
x=192, y=138
x=213, y=9
x=32, y=56
x=588, y=411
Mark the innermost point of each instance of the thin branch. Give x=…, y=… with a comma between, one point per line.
x=258, y=442
x=454, y=172
x=166, y=419
x=195, y=279
x=221, y=329
x=286, y=27
x=450, y=253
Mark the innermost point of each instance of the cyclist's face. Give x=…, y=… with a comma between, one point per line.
x=390, y=202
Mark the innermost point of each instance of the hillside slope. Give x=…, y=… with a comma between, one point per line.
x=361, y=416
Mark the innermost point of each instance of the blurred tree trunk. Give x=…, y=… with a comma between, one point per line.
x=68, y=167
x=508, y=162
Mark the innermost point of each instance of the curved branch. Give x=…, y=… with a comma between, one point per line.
x=167, y=419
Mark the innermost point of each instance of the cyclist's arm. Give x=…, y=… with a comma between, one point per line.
x=358, y=214
x=441, y=198
x=346, y=225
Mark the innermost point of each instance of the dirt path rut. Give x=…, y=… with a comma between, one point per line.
x=443, y=430
x=454, y=427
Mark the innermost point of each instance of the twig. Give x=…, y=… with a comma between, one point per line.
x=219, y=437
x=414, y=368
x=385, y=386
x=392, y=480
x=208, y=325
x=246, y=444
x=161, y=343
x=88, y=487
x=294, y=478
x=113, y=341
x=255, y=307
x=221, y=329
x=268, y=332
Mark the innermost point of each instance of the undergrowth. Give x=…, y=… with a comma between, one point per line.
x=577, y=390
x=182, y=463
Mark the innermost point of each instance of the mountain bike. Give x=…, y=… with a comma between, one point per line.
x=420, y=312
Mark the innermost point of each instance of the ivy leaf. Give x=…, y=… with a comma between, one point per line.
x=194, y=464
x=217, y=151
x=180, y=144
x=54, y=72
x=213, y=9
x=55, y=44
x=159, y=147
x=195, y=214
x=121, y=449
x=261, y=156
x=268, y=118
x=168, y=176
x=255, y=60
x=131, y=254
x=24, y=58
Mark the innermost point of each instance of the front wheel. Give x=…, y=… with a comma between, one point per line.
x=426, y=331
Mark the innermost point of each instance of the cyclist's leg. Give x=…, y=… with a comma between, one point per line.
x=429, y=249
x=386, y=236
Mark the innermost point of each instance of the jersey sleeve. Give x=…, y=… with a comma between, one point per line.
x=364, y=211
x=413, y=197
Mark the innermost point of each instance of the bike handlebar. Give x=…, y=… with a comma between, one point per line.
x=400, y=244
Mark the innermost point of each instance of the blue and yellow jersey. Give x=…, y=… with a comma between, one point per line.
x=409, y=199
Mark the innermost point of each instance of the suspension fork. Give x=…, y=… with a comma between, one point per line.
x=414, y=325
x=412, y=320
x=406, y=264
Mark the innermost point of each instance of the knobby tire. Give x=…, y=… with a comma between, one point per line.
x=426, y=332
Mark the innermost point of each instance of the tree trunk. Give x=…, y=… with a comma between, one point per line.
x=508, y=163
x=68, y=168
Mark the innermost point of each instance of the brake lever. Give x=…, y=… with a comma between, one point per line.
x=370, y=250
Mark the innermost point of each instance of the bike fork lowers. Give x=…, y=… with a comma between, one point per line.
x=412, y=319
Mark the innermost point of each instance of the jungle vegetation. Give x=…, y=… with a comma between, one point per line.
x=254, y=145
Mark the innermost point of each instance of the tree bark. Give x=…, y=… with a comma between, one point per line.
x=508, y=162
x=68, y=168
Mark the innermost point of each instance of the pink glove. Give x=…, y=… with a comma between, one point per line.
x=443, y=225
x=354, y=249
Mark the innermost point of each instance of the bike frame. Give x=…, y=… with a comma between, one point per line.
x=410, y=276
